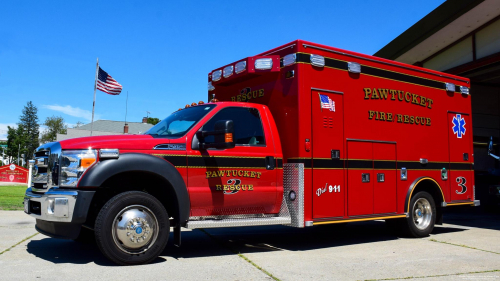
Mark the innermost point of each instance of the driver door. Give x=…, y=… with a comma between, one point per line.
x=234, y=181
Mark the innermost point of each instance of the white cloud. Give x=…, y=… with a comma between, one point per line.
x=3, y=129
x=71, y=111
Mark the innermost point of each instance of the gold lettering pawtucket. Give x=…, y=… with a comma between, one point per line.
x=391, y=94
x=232, y=173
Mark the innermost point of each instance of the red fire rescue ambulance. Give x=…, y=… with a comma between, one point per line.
x=301, y=135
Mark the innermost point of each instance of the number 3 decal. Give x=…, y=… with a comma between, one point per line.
x=461, y=182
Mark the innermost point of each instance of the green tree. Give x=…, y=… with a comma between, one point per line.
x=153, y=120
x=16, y=143
x=29, y=123
x=55, y=125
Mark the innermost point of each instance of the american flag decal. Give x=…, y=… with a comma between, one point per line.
x=108, y=84
x=326, y=102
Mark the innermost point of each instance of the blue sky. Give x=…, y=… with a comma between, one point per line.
x=162, y=51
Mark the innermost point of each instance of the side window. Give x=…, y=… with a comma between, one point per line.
x=247, y=125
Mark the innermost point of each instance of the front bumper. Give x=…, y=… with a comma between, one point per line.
x=59, y=213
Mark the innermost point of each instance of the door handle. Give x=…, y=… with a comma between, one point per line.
x=270, y=163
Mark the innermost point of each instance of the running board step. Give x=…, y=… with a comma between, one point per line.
x=238, y=222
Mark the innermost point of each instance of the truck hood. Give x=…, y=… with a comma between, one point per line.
x=124, y=142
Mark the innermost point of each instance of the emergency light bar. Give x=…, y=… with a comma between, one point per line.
x=243, y=69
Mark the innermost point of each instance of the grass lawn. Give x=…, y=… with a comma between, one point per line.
x=11, y=197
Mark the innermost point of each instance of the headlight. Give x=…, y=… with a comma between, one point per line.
x=73, y=164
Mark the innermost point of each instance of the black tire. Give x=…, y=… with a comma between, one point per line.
x=421, y=226
x=147, y=214
x=86, y=236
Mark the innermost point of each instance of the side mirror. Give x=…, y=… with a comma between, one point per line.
x=223, y=135
x=490, y=149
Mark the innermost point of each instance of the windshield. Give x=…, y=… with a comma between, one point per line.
x=177, y=124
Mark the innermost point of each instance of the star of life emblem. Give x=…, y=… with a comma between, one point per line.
x=458, y=125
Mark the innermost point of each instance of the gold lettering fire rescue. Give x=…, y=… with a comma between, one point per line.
x=400, y=118
x=232, y=173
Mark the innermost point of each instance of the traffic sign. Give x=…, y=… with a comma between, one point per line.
x=3, y=146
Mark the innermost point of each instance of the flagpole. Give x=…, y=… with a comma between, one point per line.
x=95, y=87
x=126, y=108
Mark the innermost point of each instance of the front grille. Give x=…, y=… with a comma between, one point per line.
x=46, y=170
x=39, y=185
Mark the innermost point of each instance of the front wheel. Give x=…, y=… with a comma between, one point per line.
x=132, y=228
x=421, y=215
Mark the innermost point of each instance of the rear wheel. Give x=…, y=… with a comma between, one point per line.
x=132, y=228
x=421, y=215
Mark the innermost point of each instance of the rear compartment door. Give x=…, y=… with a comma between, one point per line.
x=460, y=172
x=360, y=178
x=385, y=175
x=328, y=154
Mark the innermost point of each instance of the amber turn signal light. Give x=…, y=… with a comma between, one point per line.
x=86, y=162
x=229, y=137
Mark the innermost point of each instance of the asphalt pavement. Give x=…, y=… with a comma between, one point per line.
x=467, y=247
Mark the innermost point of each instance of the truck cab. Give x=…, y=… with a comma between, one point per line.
x=204, y=161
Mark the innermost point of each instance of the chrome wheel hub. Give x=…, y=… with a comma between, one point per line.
x=135, y=229
x=422, y=213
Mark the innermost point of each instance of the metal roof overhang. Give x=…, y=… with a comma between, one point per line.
x=444, y=25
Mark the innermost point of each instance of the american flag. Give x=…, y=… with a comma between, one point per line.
x=107, y=84
x=326, y=102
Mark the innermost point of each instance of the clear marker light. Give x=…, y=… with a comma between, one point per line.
x=228, y=71
x=216, y=75
x=354, y=67
x=210, y=86
x=263, y=64
x=240, y=66
x=289, y=59
x=450, y=87
x=317, y=60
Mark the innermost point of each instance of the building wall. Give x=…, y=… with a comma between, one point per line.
x=486, y=122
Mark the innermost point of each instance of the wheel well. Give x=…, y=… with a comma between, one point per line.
x=431, y=187
x=150, y=183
